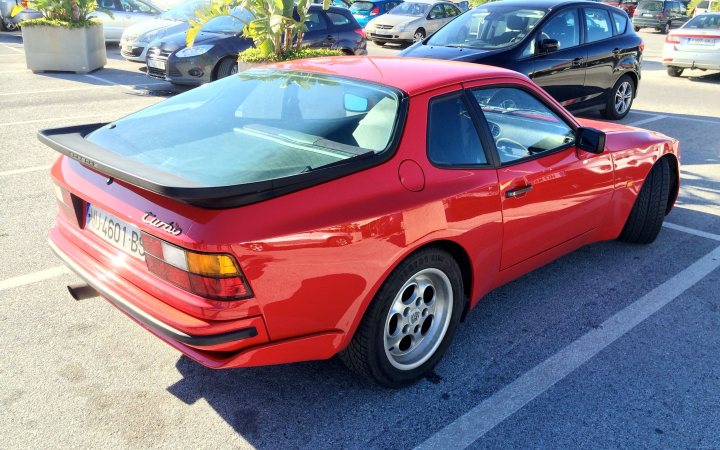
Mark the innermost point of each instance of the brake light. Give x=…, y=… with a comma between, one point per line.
x=70, y=206
x=375, y=11
x=361, y=32
x=209, y=275
x=642, y=46
x=24, y=3
x=671, y=39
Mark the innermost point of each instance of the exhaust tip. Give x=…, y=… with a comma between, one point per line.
x=81, y=291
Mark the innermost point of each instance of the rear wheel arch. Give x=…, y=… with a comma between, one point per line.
x=674, y=180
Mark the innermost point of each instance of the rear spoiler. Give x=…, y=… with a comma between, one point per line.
x=71, y=142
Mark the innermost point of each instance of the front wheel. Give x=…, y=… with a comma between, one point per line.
x=647, y=214
x=621, y=98
x=419, y=35
x=636, y=29
x=410, y=322
x=665, y=29
x=226, y=67
x=380, y=43
x=674, y=71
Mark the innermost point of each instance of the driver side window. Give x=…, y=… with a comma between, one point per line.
x=437, y=12
x=521, y=125
x=564, y=28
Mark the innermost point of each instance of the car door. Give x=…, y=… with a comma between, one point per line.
x=135, y=11
x=603, y=53
x=435, y=19
x=551, y=192
x=111, y=14
x=319, y=33
x=561, y=72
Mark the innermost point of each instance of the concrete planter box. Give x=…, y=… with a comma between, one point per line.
x=78, y=50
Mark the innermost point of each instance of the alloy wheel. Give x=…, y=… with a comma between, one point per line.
x=418, y=36
x=623, y=97
x=418, y=319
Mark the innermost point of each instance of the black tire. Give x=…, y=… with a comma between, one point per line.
x=380, y=43
x=674, y=71
x=648, y=212
x=2, y=25
x=366, y=354
x=419, y=35
x=225, y=68
x=612, y=111
x=665, y=29
x=636, y=29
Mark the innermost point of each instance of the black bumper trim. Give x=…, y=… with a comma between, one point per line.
x=150, y=321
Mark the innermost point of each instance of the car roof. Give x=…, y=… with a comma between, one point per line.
x=427, y=74
x=540, y=4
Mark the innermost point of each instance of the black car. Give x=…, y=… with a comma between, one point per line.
x=214, y=53
x=586, y=55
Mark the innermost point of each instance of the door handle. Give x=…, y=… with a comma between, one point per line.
x=616, y=51
x=518, y=192
x=577, y=62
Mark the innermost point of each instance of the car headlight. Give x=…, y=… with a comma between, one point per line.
x=193, y=51
x=148, y=37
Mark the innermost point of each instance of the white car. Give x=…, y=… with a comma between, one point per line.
x=411, y=21
x=124, y=14
x=705, y=6
x=696, y=45
x=135, y=40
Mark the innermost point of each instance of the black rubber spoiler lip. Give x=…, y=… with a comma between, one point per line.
x=71, y=142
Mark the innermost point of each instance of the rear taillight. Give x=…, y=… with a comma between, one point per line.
x=24, y=3
x=375, y=11
x=209, y=275
x=361, y=32
x=670, y=39
x=70, y=206
x=642, y=46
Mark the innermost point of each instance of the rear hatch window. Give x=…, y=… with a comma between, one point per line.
x=650, y=6
x=260, y=133
x=362, y=6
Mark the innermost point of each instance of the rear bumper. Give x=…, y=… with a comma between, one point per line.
x=648, y=22
x=215, y=344
x=692, y=60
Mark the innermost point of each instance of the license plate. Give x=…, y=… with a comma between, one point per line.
x=156, y=64
x=648, y=15
x=701, y=41
x=383, y=32
x=114, y=231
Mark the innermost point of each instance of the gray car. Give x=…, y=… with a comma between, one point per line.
x=12, y=23
x=411, y=21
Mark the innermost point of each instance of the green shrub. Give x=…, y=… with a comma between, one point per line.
x=59, y=23
x=255, y=55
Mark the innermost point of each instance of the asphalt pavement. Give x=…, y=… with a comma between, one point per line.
x=613, y=346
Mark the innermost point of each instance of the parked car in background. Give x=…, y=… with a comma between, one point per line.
x=364, y=11
x=468, y=176
x=662, y=15
x=338, y=3
x=411, y=21
x=696, y=45
x=136, y=38
x=628, y=6
x=214, y=53
x=125, y=13
x=12, y=12
x=705, y=6
x=585, y=54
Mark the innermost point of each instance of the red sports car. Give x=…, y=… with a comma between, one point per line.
x=443, y=179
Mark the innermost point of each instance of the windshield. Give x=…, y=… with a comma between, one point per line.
x=705, y=22
x=411, y=9
x=228, y=24
x=362, y=6
x=487, y=28
x=257, y=125
x=184, y=11
x=651, y=6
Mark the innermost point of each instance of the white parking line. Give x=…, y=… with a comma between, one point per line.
x=474, y=424
x=648, y=120
x=50, y=119
x=34, y=277
x=700, y=233
x=678, y=117
x=25, y=170
x=108, y=86
x=101, y=79
x=13, y=49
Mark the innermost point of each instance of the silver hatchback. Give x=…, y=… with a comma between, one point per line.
x=411, y=21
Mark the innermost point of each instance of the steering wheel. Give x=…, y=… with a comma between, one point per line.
x=510, y=150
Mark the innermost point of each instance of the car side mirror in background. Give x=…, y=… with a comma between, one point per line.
x=353, y=103
x=549, y=45
x=590, y=140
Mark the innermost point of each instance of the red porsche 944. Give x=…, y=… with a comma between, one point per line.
x=352, y=205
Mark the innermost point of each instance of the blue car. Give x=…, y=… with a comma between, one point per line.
x=364, y=10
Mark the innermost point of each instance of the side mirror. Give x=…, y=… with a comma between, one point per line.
x=590, y=140
x=549, y=45
x=354, y=103
x=431, y=16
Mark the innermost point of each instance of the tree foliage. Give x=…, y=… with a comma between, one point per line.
x=274, y=28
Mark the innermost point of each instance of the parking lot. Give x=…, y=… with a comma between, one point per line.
x=615, y=345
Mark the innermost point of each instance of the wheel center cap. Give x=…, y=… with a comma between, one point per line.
x=414, y=316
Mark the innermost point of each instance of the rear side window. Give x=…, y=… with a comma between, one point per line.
x=337, y=19
x=362, y=6
x=620, y=21
x=651, y=5
x=597, y=25
x=315, y=22
x=452, y=137
x=255, y=126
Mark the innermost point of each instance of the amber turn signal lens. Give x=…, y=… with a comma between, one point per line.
x=213, y=265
